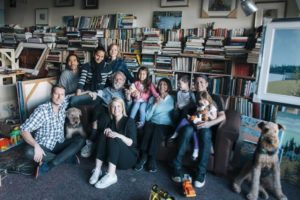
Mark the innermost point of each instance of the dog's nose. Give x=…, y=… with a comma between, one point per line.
x=269, y=141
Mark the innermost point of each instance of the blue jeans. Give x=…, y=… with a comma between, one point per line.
x=139, y=106
x=205, y=142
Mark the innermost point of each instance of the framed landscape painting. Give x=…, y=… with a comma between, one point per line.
x=219, y=8
x=279, y=79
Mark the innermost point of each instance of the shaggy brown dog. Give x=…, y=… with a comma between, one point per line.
x=73, y=125
x=265, y=158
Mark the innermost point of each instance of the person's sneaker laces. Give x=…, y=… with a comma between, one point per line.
x=106, y=181
x=200, y=181
x=177, y=175
x=152, y=165
x=95, y=176
x=41, y=169
x=87, y=150
x=140, y=165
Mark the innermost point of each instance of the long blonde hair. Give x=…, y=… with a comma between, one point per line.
x=111, y=46
x=118, y=100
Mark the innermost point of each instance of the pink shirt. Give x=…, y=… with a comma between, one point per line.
x=145, y=94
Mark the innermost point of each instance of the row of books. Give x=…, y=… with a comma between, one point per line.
x=257, y=110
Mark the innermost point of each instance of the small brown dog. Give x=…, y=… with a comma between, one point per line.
x=265, y=160
x=73, y=126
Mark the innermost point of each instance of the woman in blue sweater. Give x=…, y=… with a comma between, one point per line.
x=158, y=123
x=117, y=63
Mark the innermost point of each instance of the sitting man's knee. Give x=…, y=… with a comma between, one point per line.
x=29, y=153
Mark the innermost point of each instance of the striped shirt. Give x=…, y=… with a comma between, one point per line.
x=48, y=125
x=94, y=76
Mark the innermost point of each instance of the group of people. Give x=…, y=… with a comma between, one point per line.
x=113, y=138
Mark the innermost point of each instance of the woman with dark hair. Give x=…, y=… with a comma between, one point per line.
x=158, y=123
x=70, y=76
x=117, y=63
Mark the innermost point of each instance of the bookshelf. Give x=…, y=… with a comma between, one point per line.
x=171, y=54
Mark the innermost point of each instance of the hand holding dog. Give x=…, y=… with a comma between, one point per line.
x=38, y=153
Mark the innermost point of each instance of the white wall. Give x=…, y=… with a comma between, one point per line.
x=24, y=13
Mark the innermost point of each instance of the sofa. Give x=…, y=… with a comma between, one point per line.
x=225, y=138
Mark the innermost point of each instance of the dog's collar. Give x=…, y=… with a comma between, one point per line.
x=264, y=151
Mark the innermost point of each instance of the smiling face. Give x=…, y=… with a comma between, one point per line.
x=99, y=56
x=142, y=75
x=73, y=63
x=163, y=87
x=116, y=109
x=201, y=84
x=119, y=81
x=58, y=96
x=113, y=52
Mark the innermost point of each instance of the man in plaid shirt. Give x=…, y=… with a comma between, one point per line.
x=49, y=147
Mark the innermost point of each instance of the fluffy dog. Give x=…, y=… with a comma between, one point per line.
x=73, y=126
x=264, y=168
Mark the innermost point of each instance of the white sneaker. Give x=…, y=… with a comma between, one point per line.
x=86, y=151
x=95, y=176
x=106, y=181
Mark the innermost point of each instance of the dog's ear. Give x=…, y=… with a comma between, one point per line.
x=261, y=125
x=79, y=112
x=280, y=127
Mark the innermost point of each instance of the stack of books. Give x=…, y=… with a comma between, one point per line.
x=172, y=48
x=194, y=45
x=236, y=47
x=214, y=48
x=126, y=21
x=89, y=39
x=152, y=43
x=253, y=55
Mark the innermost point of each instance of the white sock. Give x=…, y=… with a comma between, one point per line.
x=174, y=135
x=195, y=154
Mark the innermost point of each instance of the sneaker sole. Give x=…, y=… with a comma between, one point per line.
x=107, y=185
x=198, y=184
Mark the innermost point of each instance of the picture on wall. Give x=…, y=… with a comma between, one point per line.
x=174, y=3
x=41, y=16
x=167, y=20
x=63, y=3
x=268, y=11
x=219, y=8
x=90, y=4
x=290, y=163
x=279, y=79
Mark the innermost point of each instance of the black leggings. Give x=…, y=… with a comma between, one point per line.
x=153, y=136
x=115, y=151
x=61, y=151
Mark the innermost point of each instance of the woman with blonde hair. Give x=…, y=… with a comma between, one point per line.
x=116, y=145
x=117, y=63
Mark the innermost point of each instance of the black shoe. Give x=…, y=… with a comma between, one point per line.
x=177, y=175
x=152, y=165
x=140, y=165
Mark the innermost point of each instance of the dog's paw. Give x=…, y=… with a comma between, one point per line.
x=251, y=196
x=282, y=197
x=264, y=195
x=236, y=188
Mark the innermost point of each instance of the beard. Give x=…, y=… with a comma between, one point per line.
x=118, y=86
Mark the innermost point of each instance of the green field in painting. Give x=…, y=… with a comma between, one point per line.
x=289, y=87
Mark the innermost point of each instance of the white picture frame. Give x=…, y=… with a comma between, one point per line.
x=41, y=16
x=269, y=10
x=212, y=9
x=279, y=77
x=44, y=50
x=174, y=3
